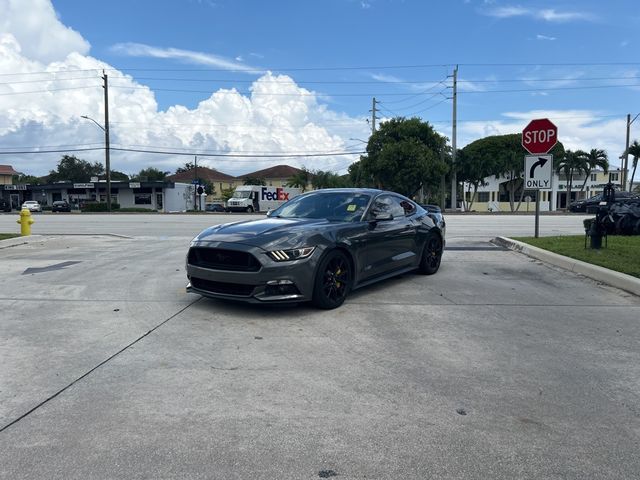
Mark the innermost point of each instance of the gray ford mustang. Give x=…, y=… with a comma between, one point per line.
x=317, y=247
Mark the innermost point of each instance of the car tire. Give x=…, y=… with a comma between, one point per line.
x=249, y=209
x=333, y=281
x=431, y=255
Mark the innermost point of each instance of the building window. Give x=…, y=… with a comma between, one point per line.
x=594, y=176
x=613, y=177
x=483, y=196
x=142, y=198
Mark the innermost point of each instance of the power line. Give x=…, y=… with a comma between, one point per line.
x=249, y=93
x=550, y=89
x=58, y=146
x=428, y=108
x=191, y=153
x=50, y=90
x=235, y=155
x=307, y=69
x=47, y=80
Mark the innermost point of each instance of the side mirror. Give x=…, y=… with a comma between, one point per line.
x=381, y=217
x=269, y=212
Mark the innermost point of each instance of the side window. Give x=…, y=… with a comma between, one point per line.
x=408, y=207
x=387, y=204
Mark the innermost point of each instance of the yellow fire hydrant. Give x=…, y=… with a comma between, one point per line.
x=25, y=222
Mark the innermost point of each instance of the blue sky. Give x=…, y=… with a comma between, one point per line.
x=192, y=64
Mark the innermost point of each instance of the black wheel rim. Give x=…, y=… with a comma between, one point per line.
x=433, y=252
x=336, y=279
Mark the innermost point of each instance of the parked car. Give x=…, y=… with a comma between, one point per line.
x=316, y=247
x=5, y=205
x=32, y=206
x=60, y=206
x=214, y=207
x=582, y=205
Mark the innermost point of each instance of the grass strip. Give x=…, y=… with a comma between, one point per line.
x=622, y=254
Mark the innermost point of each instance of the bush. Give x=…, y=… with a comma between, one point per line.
x=99, y=207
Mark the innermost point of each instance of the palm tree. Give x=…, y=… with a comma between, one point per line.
x=634, y=149
x=570, y=163
x=596, y=158
x=301, y=179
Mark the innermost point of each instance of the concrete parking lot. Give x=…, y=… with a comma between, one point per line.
x=497, y=367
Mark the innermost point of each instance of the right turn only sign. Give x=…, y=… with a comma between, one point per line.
x=537, y=172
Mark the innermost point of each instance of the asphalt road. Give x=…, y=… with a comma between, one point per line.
x=497, y=367
x=180, y=225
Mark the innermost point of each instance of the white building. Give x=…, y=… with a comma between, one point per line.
x=494, y=195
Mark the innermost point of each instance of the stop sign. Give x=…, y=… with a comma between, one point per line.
x=539, y=136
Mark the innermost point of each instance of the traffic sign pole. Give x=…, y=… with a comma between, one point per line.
x=537, y=229
x=538, y=137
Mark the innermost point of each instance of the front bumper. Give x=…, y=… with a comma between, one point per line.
x=273, y=282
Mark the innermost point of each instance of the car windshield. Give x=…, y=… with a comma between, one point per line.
x=241, y=194
x=333, y=206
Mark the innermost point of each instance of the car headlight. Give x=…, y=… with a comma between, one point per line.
x=293, y=254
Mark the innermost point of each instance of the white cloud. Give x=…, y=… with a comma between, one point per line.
x=278, y=116
x=548, y=15
x=545, y=37
x=36, y=28
x=199, y=58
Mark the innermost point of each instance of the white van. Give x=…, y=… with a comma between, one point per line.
x=255, y=198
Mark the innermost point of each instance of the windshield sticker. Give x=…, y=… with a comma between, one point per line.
x=351, y=208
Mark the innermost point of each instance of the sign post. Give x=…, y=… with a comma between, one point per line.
x=538, y=137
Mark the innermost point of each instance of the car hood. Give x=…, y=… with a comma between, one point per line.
x=266, y=233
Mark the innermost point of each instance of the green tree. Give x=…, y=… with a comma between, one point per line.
x=322, y=179
x=301, y=179
x=403, y=155
x=25, y=179
x=186, y=168
x=472, y=168
x=117, y=176
x=596, y=158
x=502, y=156
x=150, y=174
x=569, y=164
x=254, y=181
x=634, y=149
x=226, y=193
x=72, y=169
x=355, y=174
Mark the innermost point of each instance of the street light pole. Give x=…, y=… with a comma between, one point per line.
x=106, y=139
x=107, y=162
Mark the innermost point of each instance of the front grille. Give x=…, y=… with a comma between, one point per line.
x=220, y=259
x=222, y=287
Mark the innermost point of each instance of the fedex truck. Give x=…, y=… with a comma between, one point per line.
x=255, y=198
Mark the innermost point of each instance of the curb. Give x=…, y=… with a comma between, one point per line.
x=16, y=241
x=616, y=279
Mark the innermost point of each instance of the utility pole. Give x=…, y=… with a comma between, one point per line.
x=454, y=179
x=107, y=162
x=195, y=183
x=625, y=160
x=373, y=115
